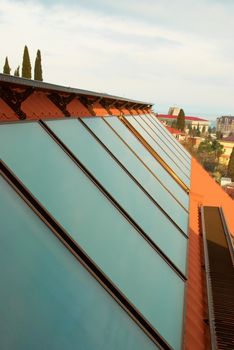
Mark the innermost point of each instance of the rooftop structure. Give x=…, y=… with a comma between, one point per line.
x=228, y=145
x=189, y=120
x=225, y=124
x=101, y=239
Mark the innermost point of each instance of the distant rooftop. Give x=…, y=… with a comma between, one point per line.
x=167, y=116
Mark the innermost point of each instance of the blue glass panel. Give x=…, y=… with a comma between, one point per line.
x=150, y=162
x=98, y=227
x=145, y=133
x=117, y=182
x=183, y=151
x=171, y=141
x=140, y=172
x=167, y=146
x=48, y=299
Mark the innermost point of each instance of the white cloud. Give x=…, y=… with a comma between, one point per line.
x=184, y=56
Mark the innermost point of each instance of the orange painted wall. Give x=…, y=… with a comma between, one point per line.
x=204, y=191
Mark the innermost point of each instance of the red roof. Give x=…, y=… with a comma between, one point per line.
x=175, y=131
x=167, y=116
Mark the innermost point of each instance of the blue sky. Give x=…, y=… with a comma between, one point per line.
x=170, y=52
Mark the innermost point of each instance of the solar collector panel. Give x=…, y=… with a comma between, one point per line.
x=180, y=148
x=140, y=172
x=146, y=134
x=120, y=185
x=149, y=161
x=96, y=225
x=166, y=145
x=49, y=300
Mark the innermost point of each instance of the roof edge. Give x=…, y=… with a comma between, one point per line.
x=19, y=81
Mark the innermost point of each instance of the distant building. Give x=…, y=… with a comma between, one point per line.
x=179, y=135
x=228, y=144
x=174, y=111
x=229, y=188
x=193, y=121
x=195, y=141
x=225, y=181
x=225, y=124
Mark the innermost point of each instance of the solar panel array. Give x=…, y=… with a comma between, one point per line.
x=94, y=235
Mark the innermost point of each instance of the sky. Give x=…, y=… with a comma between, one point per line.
x=167, y=52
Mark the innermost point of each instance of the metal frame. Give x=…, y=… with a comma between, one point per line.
x=208, y=285
x=154, y=154
x=139, y=158
x=5, y=78
x=159, y=134
x=112, y=199
x=228, y=235
x=82, y=257
x=169, y=135
x=155, y=140
x=164, y=132
x=132, y=176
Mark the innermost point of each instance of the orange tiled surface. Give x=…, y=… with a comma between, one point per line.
x=115, y=111
x=99, y=110
x=38, y=106
x=204, y=191
x=76, y=108
x=6, y=113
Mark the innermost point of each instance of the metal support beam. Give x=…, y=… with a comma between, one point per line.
x=14, y=99
x=89, y=105
x=61, y=102
x=105, y=106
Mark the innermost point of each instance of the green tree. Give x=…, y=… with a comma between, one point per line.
x=219, y=135
x=217, y=148
x=174, y=124
x=17, y=72
x=37, y=67
x=198, y=132
x=181, y=120
x=230, y=170
x=190, y=130
x=209, y=130
x=203, y=130
x=205, y=147
x=26, y=65
x=6, y=68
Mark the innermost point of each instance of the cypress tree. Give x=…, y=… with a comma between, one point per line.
x=181, y=120
x=17, y=72
x=37, y=67
x=6, y=68
x=198, y=132
x=190, y=130
x=230, y=170
x=26, y=65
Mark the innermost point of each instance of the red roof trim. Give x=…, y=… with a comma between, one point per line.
x=174, y=131
x=167, y=116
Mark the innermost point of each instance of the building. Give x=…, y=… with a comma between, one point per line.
x=175, y=111
x=194, y=122
x=228, y=144
x=179, y=135
x=106, y=228
x=225, y=125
